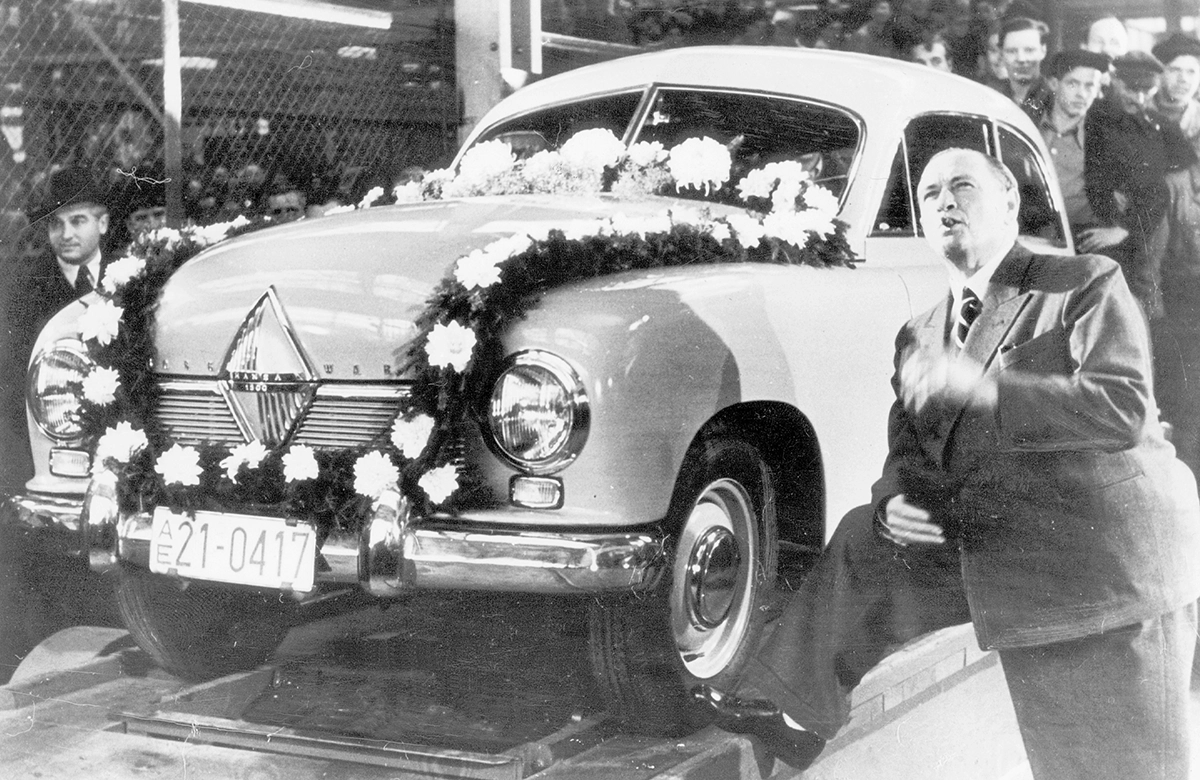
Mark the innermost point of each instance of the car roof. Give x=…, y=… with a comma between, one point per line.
x=872, y=87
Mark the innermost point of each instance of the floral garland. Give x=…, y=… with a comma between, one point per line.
x=789, y=220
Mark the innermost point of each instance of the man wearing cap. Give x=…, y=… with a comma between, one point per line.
x=1130, y=148
x=1075, y=77
x=75, y=214
x=1177, y=334
x=1176, y=99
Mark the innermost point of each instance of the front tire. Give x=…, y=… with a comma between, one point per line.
x=704, y=621
x=198, y=632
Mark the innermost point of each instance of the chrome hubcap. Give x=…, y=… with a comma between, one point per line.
x=713, y=578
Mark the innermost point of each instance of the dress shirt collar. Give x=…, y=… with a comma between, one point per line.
x=977, y=282
x=71, y=272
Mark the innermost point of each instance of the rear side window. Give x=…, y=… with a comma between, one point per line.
x=758, y=129
x=1039, y=218
x=550, y=127
x=924, y=137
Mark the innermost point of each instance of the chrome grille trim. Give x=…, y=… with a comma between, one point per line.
x=341, y=416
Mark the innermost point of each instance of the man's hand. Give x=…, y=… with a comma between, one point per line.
x=903, y=523
x=952, y=379
x=1097, y=238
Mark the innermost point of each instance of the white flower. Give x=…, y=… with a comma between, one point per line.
x=411, y=436
x=339, y=210
x=684, y=215
x=756, y=184
x=179, y=465
x=120, y=272
x=170, y=237
x=593, y=149
x=440, y=483
x=119, y=443
x=542, y=166
x=646, y=153
x=821, y=200
x=485, y=160
x=784, y=197
x=701, y=163
x=797, y=227
x=747, y=229
x=250, y=454
x=299, y=462
x=478, y=269
x=511, y=246
x=100, y=385
x=374, y=473
x=373, y=194
x=450, y=345
x=99, y=321
x=408, y=192
x=719, y=230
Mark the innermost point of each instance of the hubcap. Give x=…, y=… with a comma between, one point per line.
x=713, y=578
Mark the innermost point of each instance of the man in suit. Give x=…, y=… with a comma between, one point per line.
x=75, y=215
x=1028, y=489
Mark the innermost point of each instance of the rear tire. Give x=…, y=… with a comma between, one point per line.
x=704, y=621
x=199, y=632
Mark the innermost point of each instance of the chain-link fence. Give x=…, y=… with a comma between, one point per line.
x=328, y=107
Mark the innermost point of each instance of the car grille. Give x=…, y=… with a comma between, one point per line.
x=340, y=416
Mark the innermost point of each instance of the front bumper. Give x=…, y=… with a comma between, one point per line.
x=394, y=554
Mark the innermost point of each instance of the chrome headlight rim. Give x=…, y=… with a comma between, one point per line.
x=71, y=346
x=565, y=375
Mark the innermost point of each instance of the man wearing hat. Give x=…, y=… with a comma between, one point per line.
x=1130, y=148
x=75, y=215
x=1177, y=334
x=1075, y=78
x=1176, y=99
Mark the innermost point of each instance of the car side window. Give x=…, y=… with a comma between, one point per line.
x=924, y=137
x=1038, y=217
x=757, y=129
x=550, y=127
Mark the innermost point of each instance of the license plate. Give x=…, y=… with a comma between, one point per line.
x=242, y=549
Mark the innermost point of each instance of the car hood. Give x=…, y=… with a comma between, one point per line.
x=337, y=296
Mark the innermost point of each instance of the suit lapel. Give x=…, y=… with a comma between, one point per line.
x=1002, y=303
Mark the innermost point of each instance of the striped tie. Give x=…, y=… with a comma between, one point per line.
x=967, y=312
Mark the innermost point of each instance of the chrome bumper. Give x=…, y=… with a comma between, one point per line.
x=395, y=552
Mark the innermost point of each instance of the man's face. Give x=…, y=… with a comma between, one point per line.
x=1108, y=36
x=145, y=220
x=1075, y=92
x=74, y=231
x=286, y=205
x=1023, y=55
x=968, y=214
x=995, y=57
x=933, y=55
x=1133, y=97
x=1181, y=79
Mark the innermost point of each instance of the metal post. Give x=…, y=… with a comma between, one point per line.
x=172, y=112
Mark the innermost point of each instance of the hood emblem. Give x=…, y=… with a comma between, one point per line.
x=266, y=378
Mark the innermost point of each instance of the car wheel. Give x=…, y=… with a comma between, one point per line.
x=199, y=632
x=704, y=621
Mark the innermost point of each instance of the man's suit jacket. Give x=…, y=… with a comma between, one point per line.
x=31, y=296
x=1070, y=509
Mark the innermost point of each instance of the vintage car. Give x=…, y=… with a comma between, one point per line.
x=660, y=443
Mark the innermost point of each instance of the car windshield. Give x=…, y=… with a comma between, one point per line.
x=758, y=129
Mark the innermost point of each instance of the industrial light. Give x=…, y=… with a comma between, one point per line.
x=309, y=9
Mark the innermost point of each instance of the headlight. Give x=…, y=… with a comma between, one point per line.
x=54, y=388
x=538, y=413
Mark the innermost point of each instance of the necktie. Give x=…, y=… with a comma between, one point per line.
x=967, y=312
x=83, y=282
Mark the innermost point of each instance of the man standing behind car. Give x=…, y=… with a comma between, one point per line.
x=1028, y=489
x=1075, y=77
x=1130, y=150
x=75, y=214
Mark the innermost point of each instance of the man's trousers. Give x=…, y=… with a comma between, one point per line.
x=1114, y=705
